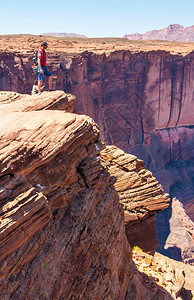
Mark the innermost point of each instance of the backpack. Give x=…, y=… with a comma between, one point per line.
x=35, y=61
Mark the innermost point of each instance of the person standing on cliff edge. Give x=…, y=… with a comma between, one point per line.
x=41, y=67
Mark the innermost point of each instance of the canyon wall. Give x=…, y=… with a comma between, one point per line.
x=62, y=233
x=128, y=95
x=140, y=194
x=142, y=102
x=144, y=92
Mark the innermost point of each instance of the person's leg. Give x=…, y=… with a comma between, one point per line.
x=39, y=86
x=40, y=79
x=50, y=77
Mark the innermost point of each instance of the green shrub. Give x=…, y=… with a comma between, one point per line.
x=136, y=248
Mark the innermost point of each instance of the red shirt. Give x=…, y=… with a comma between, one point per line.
x=42, y=55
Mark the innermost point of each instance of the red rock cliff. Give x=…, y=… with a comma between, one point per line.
x=144, y=91
x=128, y=95
x=62, y=230
x=140, y=195
x=142, y=102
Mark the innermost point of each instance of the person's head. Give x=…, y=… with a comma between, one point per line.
x=44, y=45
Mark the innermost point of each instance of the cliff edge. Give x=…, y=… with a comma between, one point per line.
x=62, y=233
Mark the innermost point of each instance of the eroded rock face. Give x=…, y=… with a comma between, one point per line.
x=143, y=91
x=140, y=195
x=58, y=100
x=62, y=233
x=156, y=272
x=143, y=104
x=62, y=230
x=133, y=97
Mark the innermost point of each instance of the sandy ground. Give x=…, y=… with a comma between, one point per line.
x=26, y=43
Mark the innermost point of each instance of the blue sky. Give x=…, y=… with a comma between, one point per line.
x=102, y=18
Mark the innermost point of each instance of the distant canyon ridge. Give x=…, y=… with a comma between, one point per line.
x=55, y=34
x=174, y=32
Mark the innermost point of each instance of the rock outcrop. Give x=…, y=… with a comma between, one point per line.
x=14, y=102
x=62, y=233
x=140, y=195
x=181, y=228
x=174, y=32
x=159, y=271
x=144, y=92
x=62, y=230
x=143, y=104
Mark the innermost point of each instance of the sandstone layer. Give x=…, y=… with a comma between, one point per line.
x=15, y=102
x=160, y=271
x=179, y=244
x=140, y=195
x=62, y=230
x=62, y=227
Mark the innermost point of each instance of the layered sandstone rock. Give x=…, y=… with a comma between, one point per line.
x=156, y=272
x=140, y=195
x=58, y=100
x=143, y=103
x=181, y=229
x=62, y=231
x=152, y=88
x=143, y=92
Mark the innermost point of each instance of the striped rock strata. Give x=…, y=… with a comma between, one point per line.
x=140, y=195
x=62, y=233
x=58, y=100
x=61, y=228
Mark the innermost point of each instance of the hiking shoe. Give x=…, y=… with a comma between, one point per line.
x=51, y=90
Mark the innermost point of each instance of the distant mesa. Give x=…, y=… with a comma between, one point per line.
x=175, y=32
x=64, y=35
